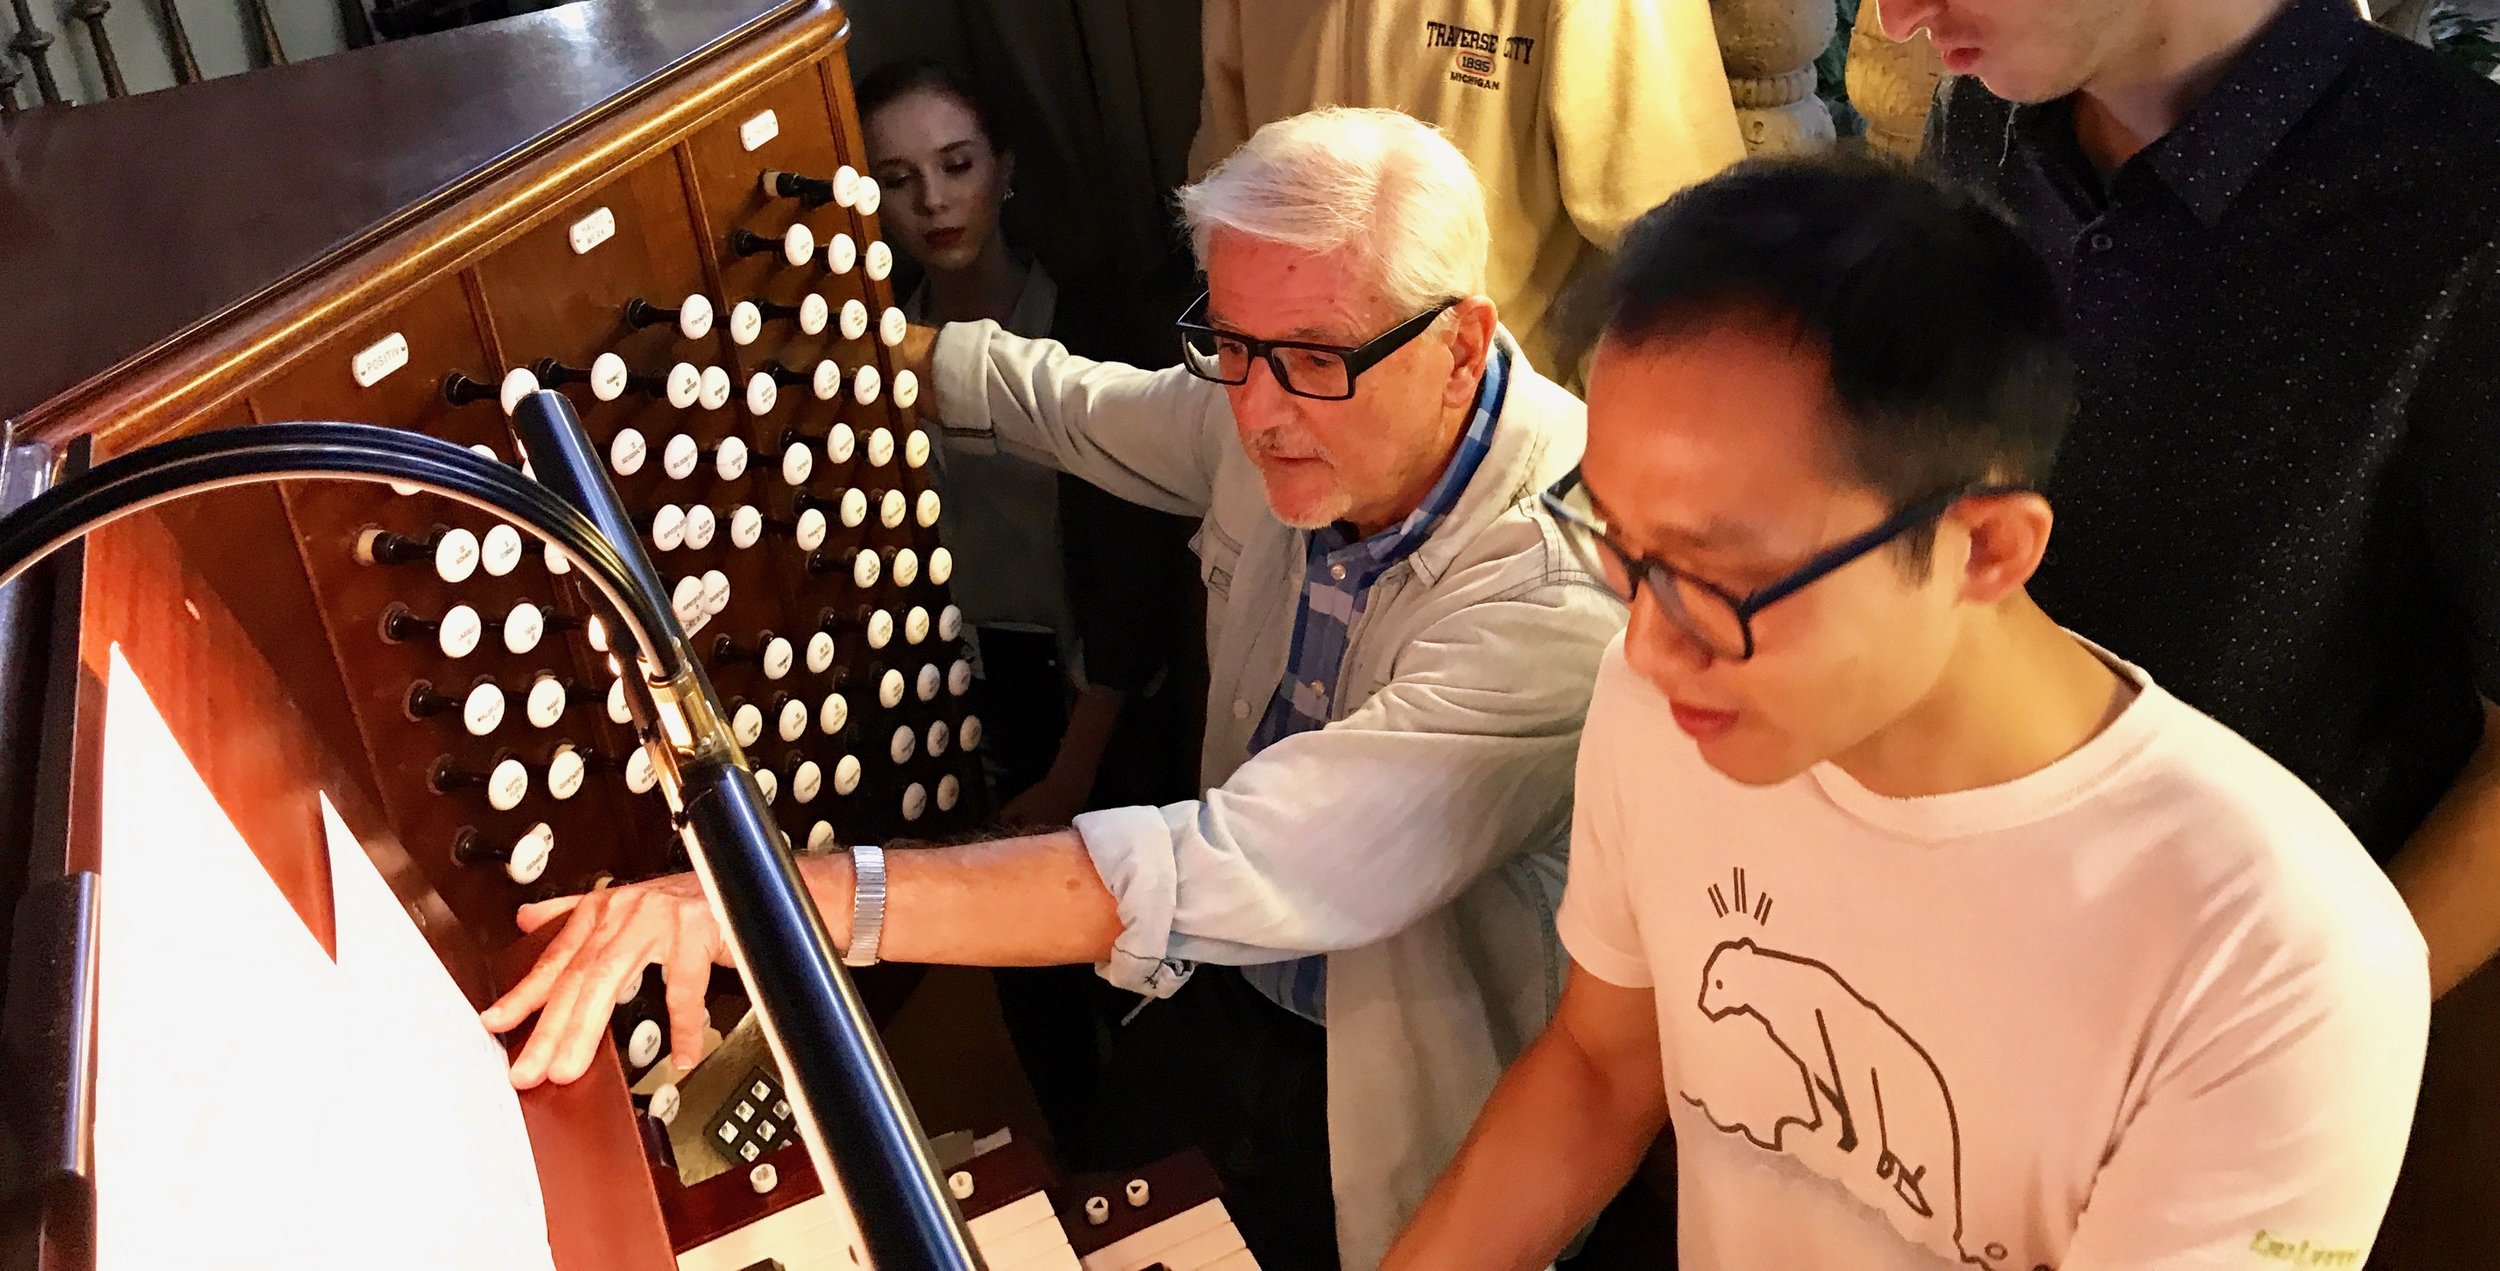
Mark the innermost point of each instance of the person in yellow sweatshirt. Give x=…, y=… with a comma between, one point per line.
x=1579, y=115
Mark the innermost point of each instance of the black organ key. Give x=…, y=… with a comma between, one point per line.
x=454, y=553
x=460, y=390
x=456, y=633
x=607, y=375
x=861, y=563
x=524, y=859
x=480, y=708
x=506, y=780
x=692, y=316
x=795, y=245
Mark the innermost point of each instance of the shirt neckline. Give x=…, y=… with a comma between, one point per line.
x=1389, y=545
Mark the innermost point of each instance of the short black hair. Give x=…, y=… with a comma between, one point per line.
x=896, y=80
x=1949, y=364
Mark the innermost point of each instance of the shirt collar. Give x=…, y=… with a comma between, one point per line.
x=1406, y=535
x=2229, y=135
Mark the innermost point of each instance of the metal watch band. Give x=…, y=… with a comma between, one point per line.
x=867, y=904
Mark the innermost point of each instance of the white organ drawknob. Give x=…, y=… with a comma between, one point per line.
x=814, y=314
x=892, y=326
x=820, y=653
x=529, y=854
x=841, y=253
x=680, y=457
x=564, y=773
x=762, y=394
x=746, y=527
x=880, y=629
x=826, y=380
x=482, y=711
x=518, y=383
x=792, y=724
x=958, y=677
x=455, y=556
x=807, y=782
x=664, y=1103
x=819, y=837
x=950, y=623
x=686, y=601
x=668, y=527
x=930, y=680
x=840, y=442
x=916, y=449
x=864, y=567
x=890, y=689
x=866, y=197
x=941, y=565
x=642, y=1049
x=778, y=657
x=500, y=551
x=968, y=733
x=949, y=792
x=701, y=525
x=906, y=567
x=596, y=630
x=694, y=318
x=797, y=464
x=906, y=384
x=640, y=774
x=854, y=320
x=833, y=715
x=524, y=627
x=927, y=510
x=915, y=801
x=763, y=1178
x=715, y=591
x=798, y=244
x=556, y=563
x=618, y=711
x=729, y=459
x=811, y=530
x=717, y=389
x=626, y=452
x=507, y=785
x=940, y=736
x=865, y=386
x=916, y=625
x=685, y=386
x=880, y=261
x=854, y=508
x=880, y=447
x=458, y=635
x=547, y=700
x=1138, y=1193
x=846, y=774
x=769, y=784
x=609, y=376
x=487, y=452
x=959, y=1185
x=893, y=508
x=747, y=724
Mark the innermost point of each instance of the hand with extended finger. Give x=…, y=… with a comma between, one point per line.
x=597, y=961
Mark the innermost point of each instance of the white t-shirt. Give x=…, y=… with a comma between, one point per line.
x=2149, y=1007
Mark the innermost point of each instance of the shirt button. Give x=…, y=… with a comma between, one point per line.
x=2102, y=242
x=1337, y=572
x=1241, y=709
x=1318, y=687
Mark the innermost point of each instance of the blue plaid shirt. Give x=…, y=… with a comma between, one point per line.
x=1337, y=575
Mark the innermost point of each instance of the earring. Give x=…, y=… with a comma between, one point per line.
x=1011, y=193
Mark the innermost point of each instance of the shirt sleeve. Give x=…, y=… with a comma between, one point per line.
x=1640, y=108
x=1597, y=923
x=1153, y=438
x=1343, y=836
x=2275, y=1133
x=2455, y=444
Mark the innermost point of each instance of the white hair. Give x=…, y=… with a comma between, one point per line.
x=1382, y=183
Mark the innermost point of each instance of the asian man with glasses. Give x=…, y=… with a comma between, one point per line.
x=1942, y=937
x=1354, y=924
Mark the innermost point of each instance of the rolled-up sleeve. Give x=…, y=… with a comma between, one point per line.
x=1341, y=837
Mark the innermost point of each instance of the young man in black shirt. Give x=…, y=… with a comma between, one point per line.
x=2275, y=231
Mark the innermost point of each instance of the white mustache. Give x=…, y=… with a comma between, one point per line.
x=1272, y=446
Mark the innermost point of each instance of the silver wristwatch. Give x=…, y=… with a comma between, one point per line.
x=867, y=904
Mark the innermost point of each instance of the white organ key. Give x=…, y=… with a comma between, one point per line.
x=880, y=261
x=458, y=635
x=640, y=774
x=949, y=792
x=523, y=628
x=500, y=551
x=797, y=464
x=939, y=736
x=811, y=530
x=941, y=565
x=529, y=854
x=903, y=745
x=950, y=623
x=854, y=320
x=958, y=678
x=814, y=313
x=820, y=653
x=835, y=712
x=455, y=556
x=608, y=376
x=798, y=244
x=915, y=801
x=846, y=774
x=747, y=724
x=668, y=527
x=806, y=783
x=864, y=568
x=746, y=527
x=680, y=457
x=880, y=629
x=880, y=447
x=700, y=526
x=890, y=689
x=854, y=508
x=547, y=700
x=826, y=381
x=626, y=452
x=556, y=562
x=916, y=625
x=916, y=449
x=893, y=508
x=687, y=600
x=968, y=733
x=517, y=384
x=778, y=657
x=482, y=711
x=597, y=631
x=694, y=318
x=564, y=773
x=729, y=459
x=930, y=681
x=791, y=724
x=866, y=198
x=865, y=384
x=846, y=181
x=685, y=386
x=841, y=253
x=762, y=394
x=746, y=322
x=715, y=591
x=927, y=511
x=769, y=784
x=819, y=836
x=906, y=384
x=642, y=1049
x=906, y=567
x=717, y=390
x=507, y=785
x=840, y=443
x=618, y=711
x=892, y=326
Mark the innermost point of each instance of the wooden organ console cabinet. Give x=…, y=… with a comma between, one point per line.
x=655, y=207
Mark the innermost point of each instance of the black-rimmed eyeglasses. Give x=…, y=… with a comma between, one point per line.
x=1303, y=368
x=1711, y=616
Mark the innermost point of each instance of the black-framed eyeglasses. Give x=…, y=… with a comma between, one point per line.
x=1711, y=616
x=1303, y=368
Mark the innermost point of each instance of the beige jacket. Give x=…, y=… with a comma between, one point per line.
x=1579, y=115
x=1419, y=839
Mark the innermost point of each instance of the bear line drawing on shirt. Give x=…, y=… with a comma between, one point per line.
x=1871, y=1108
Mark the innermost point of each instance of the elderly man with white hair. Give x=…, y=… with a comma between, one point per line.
x=1360, y=908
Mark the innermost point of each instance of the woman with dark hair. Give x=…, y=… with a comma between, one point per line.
x=1085, y=610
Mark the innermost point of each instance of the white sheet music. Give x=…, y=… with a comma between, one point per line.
x=257, y=1104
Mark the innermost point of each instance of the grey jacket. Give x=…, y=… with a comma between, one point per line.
x=1418, y=840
